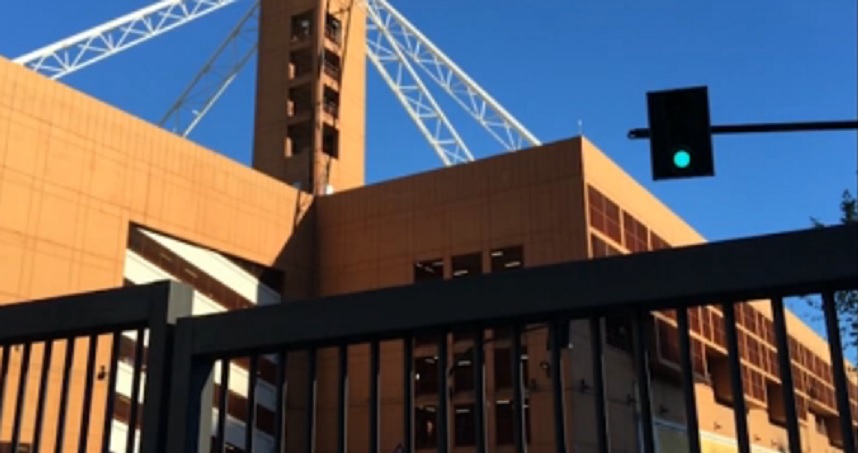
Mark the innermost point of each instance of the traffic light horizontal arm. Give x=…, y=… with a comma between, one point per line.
x=765, y=127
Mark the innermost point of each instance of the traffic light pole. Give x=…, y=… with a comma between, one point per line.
x=765, y=127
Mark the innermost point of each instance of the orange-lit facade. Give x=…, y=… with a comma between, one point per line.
x=87, y=192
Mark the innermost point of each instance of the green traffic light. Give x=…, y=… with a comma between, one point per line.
x=681, y=159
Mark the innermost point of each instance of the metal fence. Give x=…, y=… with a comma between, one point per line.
x=64, y=414
x=77, y=405
x=772, y=268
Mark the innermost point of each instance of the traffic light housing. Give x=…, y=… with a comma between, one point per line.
x=680, y=133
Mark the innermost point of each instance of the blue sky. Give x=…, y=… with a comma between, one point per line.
x=552, y=64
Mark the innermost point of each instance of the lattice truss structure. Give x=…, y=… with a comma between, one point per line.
x=404, y=57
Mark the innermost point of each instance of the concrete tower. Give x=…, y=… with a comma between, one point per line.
x=310, y=98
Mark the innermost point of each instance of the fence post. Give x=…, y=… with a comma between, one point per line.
x=189, y=419
x=170, y=301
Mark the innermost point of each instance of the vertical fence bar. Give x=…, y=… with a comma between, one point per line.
x=136, y=379
x=250, y=424
x=518, y=427
x=838, y=368
x=23, y=376
x=480, y=391
x=408, y=394
x=692, y=423
x=443, y=395
x=222, y=406
x=787, y=384
x=311, y=400
x=110, y=398
x=342, y=398
x=89, y=383
x=556, y=332
x=43, y=395
x=64, y=395
x=4, y=373
x=374, y=396
x=279, y=402
x=188, y=421
x=603, y=436
x=167, y=304
x=641, y=350
x=739, y=407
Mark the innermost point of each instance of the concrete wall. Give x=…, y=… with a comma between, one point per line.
x=74, y=172
x=371, y=238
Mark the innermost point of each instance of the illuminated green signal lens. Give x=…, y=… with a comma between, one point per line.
x=682, y=159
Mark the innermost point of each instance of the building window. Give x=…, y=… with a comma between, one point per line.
x=508, y=258
x=463, y=375
x=604, y=214
x=331, y=102
x=467, y=265
x=424, y=428
x=656, y=242
x=331, y=64
x=331, y=141
x=426, y=375
x=503, y=367
x=333, y=28
x=300, y=63
x=505, y=422
x=302, y=26
x=636, y=234
x=601, y=249
x=429, y=270
x=465, y=425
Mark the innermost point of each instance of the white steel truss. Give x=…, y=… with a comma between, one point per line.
x=412, y=93
x=440, y=68
x=215, y=76
x=83, y=49
x=394, y=47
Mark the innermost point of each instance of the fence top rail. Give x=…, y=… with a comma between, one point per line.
x=801, y=262
x=90, y=313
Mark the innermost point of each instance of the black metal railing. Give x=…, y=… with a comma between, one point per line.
x=318, y=353
x=34, y=335
x=324, y=334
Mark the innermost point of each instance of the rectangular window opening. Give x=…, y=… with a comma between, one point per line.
x=507, y=258
x=300, y=63
x=331, y=64
x=301, y=100
x=425, y=435
x=302, y=26
x=331, y=141
x=506, y=420
x=467, y=265
x=425, y=376
x=331, y=102
x=429, y=270
x=300, y=138
x=333, y=28
x=465, y=425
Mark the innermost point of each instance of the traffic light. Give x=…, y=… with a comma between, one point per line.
x=680, y=136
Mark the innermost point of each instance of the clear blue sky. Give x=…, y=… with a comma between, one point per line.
x=551, y=64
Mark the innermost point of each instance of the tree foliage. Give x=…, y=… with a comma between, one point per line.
x=845, y=301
